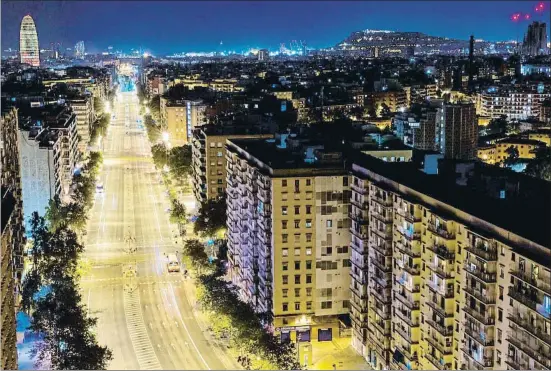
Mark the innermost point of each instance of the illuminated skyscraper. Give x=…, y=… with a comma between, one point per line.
x=79, y=49
x=28, y=42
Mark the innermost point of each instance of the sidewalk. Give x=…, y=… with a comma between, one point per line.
x=337, y=354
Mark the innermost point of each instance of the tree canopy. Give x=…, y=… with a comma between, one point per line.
x=211, y=217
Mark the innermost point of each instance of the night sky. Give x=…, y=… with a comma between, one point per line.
x=176, y=26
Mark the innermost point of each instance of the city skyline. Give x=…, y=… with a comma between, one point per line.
x=323, y=26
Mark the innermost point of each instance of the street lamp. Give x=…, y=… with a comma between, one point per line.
x=165, y=137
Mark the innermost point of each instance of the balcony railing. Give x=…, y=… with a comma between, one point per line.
x=441, y=289
x=442, y=252
x=530, y=328
x=488, y=254
x=407, y=248
x=439, y=364
x=442, y=232
x=486, y=298
x=487, y=319
x=407, y=301
x=405, y=335
x=542, y=283
x=488, y=277
x=480, y=336
x=358, y=217
x=441, y=272
x=382, y=294
x=442, y=348
x=485, y=362
x=385, y=218
x=438, y=309
x=384, y=248
x=523, y=298
x=378, y=197
x=408, y=235
x=406, y=317
x=541, y=354
x=443, y=330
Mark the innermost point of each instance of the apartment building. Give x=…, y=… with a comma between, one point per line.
x=457, y=131
x=85, y=117
x=288, y=234
x=180, y=117
x=446, y=278
x=498, y=152
x=209, y=157
x=395, y=100
x=13, y=238
x=514, y=104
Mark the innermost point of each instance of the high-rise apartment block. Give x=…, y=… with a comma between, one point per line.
x=13, y=237
x=180, y=117
x=445, y=278
x=49, y=155
x=457, y=131
x=209, y=157
x=288, y=238
x=85, y=117
x=535, y=39
x=514, y=104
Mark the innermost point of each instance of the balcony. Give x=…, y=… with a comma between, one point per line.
x=488, y=254
x=380, y=326
x=442, y=252
x=485, y=319
x=380, y=310
x=487, y=298
x=385, y=233
x=538, y=331
x=438, y=309
x=442, y=348
x=439, y=364
x=405, y=335
x=359, y=189
x=384, y=248
x=407, y=301
x=440, y=231
x=358, y=217
x=441, y=289
x=443, y=330
x=408, y=234
x=541, y=283
x=406, y=317
x=485, y=362
x=378, y=197
x=382, y=279
x=386, y=268
x=487, y=277
x=541, y=354
x=407, y=248
x=528, y=300
x=382, y=294
x=360, y=232
x=440, y=271
x=409, y=217
x=362, y=205
x=480, y=336
x=517, y=364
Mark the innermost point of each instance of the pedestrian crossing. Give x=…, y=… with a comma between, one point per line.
x=145, y=354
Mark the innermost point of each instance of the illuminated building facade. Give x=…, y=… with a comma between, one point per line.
x=288, y=235
x=179, y=118
x=28, y=42
x=12, y=237
x=446, y=280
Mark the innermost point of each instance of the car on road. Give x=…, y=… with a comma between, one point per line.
x=99, y=188
x=173, y=264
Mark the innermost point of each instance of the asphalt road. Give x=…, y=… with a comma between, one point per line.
x=144, y=315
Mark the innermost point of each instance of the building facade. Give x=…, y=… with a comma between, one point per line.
x=209, y=158
x=288, y=236
x=85, y=117
x=179, y=118
x=457, y=131
x=515, y=105
x=444, y=284
x=13, y=237
x=535, y=39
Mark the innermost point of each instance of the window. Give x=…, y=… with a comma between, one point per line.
x=219, y=181
x=346, y=263
x=308, y=182
x=329, y=223
x=297, y=210
x=326, y=305
x=499, y=335
x=285, y=279
x=500, y=293
x=285, y=307
x=345, y=181
x=297, y=265
x=283, y=210
x=284, y=224
x=297, y=251
x=285, y=266
x=501, y=271
x=308, y=251
x=500, y=315
x=284, y=238
x=308, y=209
x=308, y=305
x=297, y=237
x=285, y=252
x=498, y=357
x=297, y=279
x=346, y=303
x=284, y=183
x=297, y=306
x=297, y=293
x=285, y=292
x=219, y=154
x=297, y=223
x=297, y=184
x=308, y=264
x=308, y=237
x=308, y=278
x=308, y=223
x=308, y=291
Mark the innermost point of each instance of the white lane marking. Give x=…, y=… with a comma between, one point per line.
x=185, y=327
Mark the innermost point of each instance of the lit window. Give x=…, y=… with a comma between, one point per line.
x=308, y=223
x=284, y=210
x=297, y=251
x=285, y=252
x=297, y=306
x=329, y=223
x=308, y=251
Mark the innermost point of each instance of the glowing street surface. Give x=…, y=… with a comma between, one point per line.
x=144, y=315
